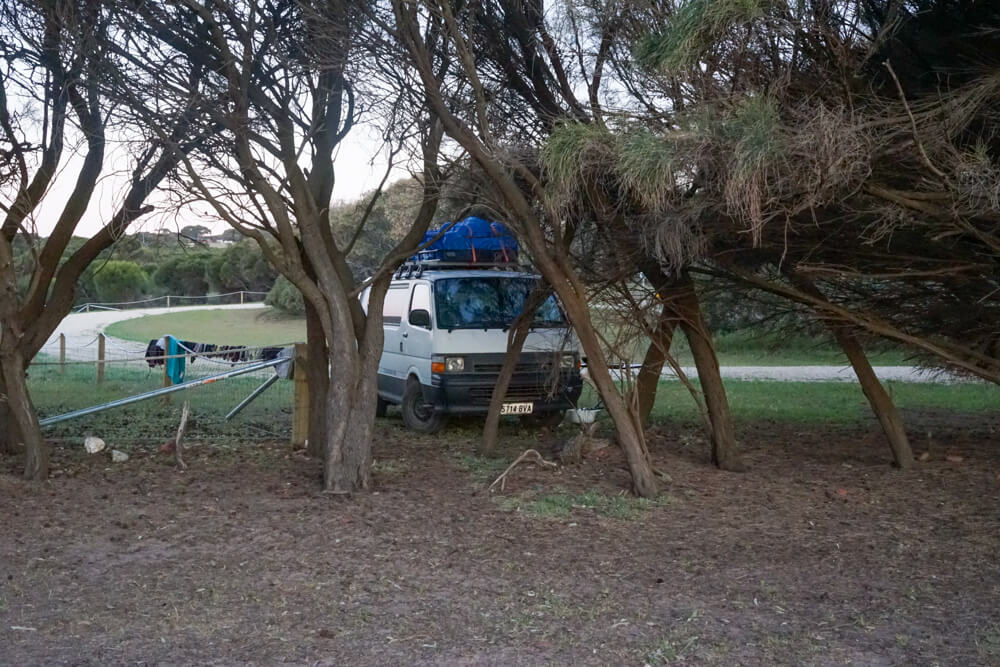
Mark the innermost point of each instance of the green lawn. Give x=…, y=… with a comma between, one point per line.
x=254, y=327
x=821, y=402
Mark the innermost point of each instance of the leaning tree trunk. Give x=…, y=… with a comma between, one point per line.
x=22, y=413
x=515, y=343
x=878, y=398
x=648, y=380
x=318, y=375
x=491, y=430
x=627, y=430
x=685, y=302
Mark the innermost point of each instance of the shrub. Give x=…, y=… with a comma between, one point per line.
x=286, y=297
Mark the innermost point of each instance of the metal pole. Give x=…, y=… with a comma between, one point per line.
x=62, y=354
x=48, y=421
x=254, y=394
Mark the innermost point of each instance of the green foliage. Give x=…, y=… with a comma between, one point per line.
x=755, y=132
x=573, y=146
x=387, y=223
x=241, y=266
x=185, y=274
x=695, y=28
x=647, y=164
x=286, y=298
x=120, y=280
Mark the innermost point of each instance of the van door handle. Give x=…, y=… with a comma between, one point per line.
x=400, y=346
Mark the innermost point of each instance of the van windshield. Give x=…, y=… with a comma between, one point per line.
x=488, y=303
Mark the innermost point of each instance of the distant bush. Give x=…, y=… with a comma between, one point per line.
x=286, y=298
x=185, y=274
x=118, y=280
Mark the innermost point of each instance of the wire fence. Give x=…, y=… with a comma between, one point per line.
x=80, y=380
x=171, y=301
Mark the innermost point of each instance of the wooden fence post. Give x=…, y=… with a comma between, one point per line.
x=100, y=358
x=168, y=301
x=62, y=354
x=300, y=400
x=241, y=297
x=166, y=378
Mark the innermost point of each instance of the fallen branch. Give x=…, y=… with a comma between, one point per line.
x=178, y=458
x=531, y=454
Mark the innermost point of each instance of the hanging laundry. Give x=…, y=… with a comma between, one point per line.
x=269, y=353
x=154, y=354
x=175, y=364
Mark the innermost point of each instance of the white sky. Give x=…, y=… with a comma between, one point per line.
x=356, y=172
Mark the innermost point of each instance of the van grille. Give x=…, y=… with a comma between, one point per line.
x=525, y=393
x=521, y=367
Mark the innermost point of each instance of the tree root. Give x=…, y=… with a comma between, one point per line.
x=531, y=455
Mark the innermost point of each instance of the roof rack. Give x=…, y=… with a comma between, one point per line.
x=417, y=268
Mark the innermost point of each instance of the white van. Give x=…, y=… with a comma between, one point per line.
x=446, y=333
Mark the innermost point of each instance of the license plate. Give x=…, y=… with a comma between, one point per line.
x=517, y=408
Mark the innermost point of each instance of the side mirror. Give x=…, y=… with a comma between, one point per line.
x=420, y=318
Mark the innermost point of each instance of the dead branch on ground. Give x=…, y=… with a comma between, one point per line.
x=530, y=454
x=178, y=457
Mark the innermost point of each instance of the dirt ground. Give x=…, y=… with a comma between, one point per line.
x=821, y=554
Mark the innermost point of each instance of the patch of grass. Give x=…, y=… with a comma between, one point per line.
x=672, y=650
x=561, y=504
x=763, y=348
x=819, y=402
x=153, y=420
x=252, y=326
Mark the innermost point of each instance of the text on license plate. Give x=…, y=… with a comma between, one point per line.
x=517, y=408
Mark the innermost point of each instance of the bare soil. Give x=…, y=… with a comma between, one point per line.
x=821, y=554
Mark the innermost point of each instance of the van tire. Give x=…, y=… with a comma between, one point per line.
x=417, y=415
x=380, y=407
x=542, y=419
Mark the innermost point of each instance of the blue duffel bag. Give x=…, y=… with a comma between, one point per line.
x=471, y=241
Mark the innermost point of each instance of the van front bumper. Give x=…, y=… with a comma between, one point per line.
x=470, y=393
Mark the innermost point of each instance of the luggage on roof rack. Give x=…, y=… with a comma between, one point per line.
x=469, y=241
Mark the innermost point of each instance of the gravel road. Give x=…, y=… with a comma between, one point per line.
x=81, y=331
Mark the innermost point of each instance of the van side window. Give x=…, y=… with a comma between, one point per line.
x=421, y=298
x=395, y=304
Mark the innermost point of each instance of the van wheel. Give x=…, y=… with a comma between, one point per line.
x=380, y=407
x=419, y=415
x=542, y=419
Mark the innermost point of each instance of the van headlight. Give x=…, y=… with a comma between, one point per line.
x=454, y=364
x=568, y=361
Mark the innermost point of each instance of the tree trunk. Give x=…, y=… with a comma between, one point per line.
x=515, y=343
x=627, y=430
x=685, y=302
x=648, y=380
x=878, y=398
x=22, y=413
x=10, y=437
x=491, y=429
x=318, y=375
x=350, y=418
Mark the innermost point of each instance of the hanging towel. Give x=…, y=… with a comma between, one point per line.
x=175, y=366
